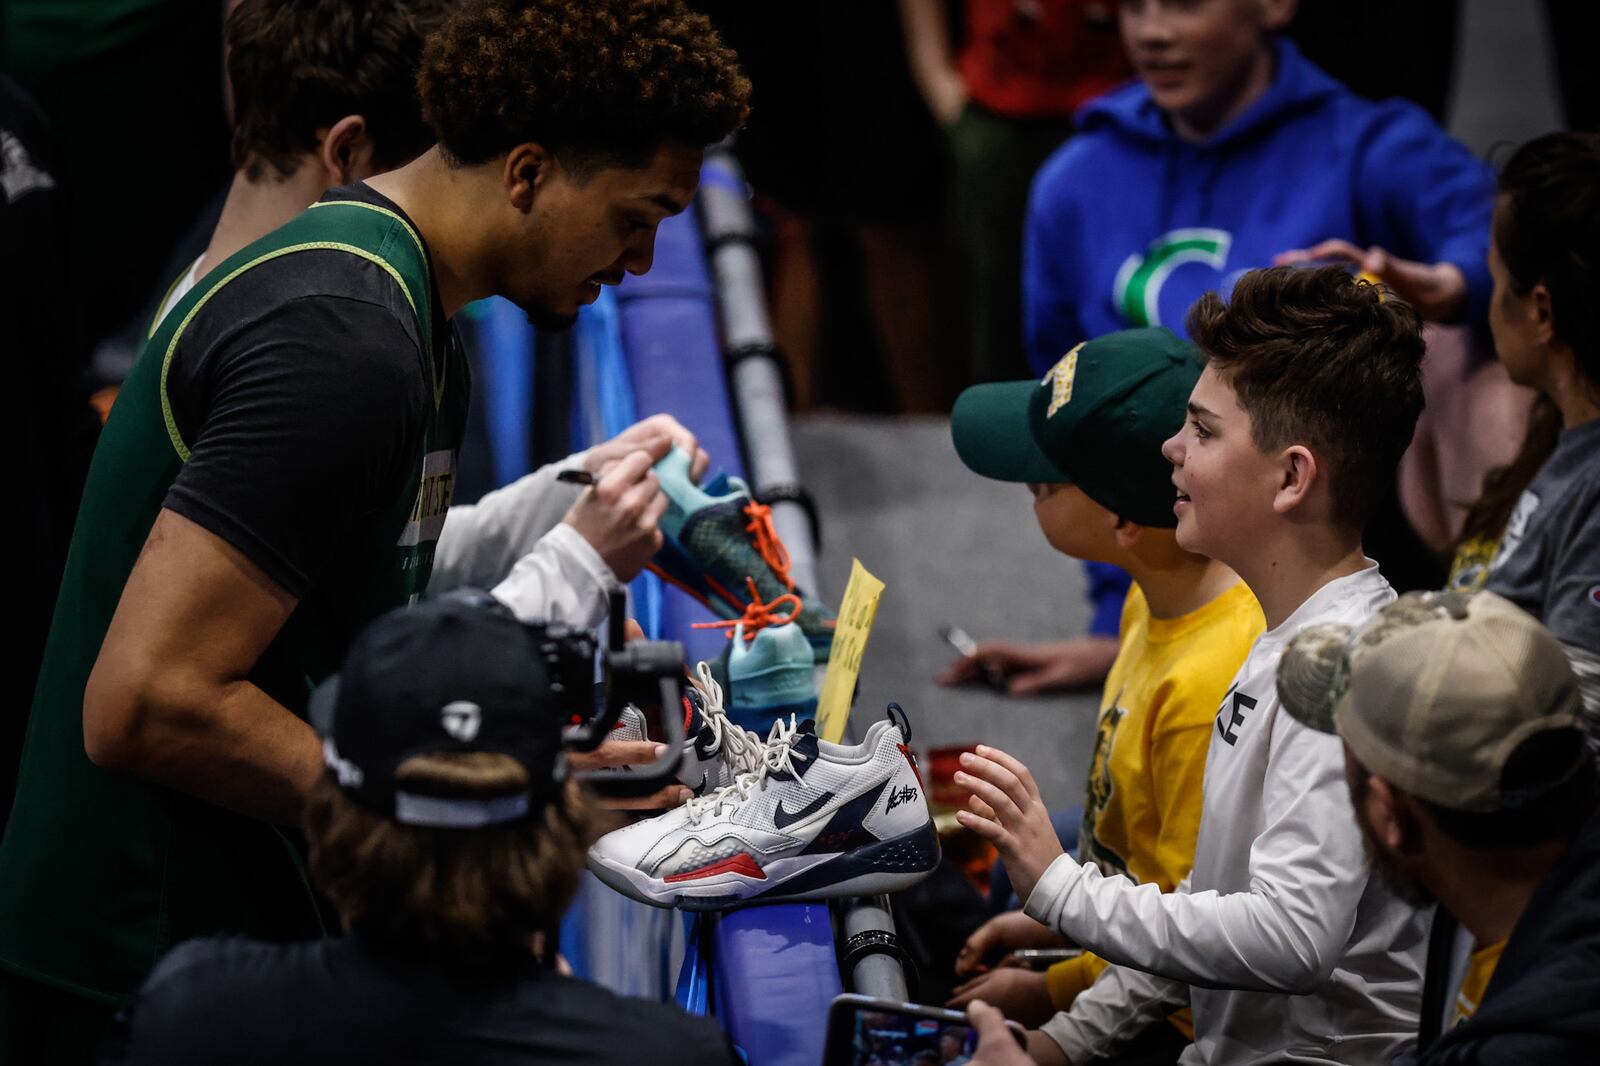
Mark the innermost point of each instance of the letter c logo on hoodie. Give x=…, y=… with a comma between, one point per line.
x=1140, y=278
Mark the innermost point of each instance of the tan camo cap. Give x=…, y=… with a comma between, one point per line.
x=1435, y=692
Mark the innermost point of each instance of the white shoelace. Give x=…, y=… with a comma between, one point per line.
x=778, y=755
x=744, y=748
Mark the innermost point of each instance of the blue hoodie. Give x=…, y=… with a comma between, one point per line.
x=1128, y=224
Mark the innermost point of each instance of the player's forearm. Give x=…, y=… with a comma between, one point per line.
x=228, y=744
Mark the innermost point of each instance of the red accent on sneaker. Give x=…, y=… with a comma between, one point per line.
x=912, y=759
x=688, y=714
x=741, y=863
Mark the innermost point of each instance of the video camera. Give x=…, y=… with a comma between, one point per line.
x=645, y=675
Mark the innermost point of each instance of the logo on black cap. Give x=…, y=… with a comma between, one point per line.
x=461, y=719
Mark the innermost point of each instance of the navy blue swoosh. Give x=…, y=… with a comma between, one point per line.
x=783, y=819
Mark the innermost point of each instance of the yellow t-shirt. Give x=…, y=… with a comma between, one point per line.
x=1480, y=968
x=1143, y=809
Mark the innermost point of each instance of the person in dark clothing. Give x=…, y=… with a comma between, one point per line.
x=1470, y=776
x=449, y=838
x=278, y=470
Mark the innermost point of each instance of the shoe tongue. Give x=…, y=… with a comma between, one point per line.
x=803, y=748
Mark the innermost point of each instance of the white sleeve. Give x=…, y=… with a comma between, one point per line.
x=563, y=579
x=1121, y=1004
x=1286, y=933
x=482, y=541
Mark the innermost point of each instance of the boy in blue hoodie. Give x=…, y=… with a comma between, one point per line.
x=1230, y=152
x=1233, y=152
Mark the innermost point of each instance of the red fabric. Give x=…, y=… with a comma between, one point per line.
x=741, y=863
x=1040, y=58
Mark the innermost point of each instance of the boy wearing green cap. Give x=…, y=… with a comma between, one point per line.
x=1087, y=441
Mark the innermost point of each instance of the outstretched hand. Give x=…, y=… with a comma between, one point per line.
x=1438, y=291
x=1002, y=933
x=1032, y=668
x=1007, y=811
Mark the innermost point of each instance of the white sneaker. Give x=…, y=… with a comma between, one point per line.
x=716, y=750
x=813, y=821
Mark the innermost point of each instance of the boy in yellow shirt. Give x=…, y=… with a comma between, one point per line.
x=1087, y=441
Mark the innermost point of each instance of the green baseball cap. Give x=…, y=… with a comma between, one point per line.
x=1097, y=420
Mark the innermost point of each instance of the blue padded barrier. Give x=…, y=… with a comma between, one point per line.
x=776, y=974
x=669, y=336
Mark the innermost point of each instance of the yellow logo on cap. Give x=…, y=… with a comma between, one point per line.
x=1060, y=381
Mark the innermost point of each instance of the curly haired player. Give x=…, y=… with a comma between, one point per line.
x=277, y=471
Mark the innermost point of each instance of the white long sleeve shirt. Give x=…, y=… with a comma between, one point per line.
x=513, y=543
x=1284, y=947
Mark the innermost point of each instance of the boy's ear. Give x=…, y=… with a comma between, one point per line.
x=346, y=151
x=1128, y=533
x=1299, y=474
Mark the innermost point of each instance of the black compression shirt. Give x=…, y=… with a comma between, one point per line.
x=301, y=389
x=336, y=1002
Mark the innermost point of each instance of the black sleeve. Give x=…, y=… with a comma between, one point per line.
x=298, y=424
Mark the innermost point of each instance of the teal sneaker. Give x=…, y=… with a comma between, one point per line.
x=768, y=667
x=715, y=544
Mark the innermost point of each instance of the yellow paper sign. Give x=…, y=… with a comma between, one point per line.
x=856, y=613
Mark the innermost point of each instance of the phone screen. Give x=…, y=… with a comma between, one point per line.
x=889, y=1038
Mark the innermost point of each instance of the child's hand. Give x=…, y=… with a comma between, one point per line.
x=1008, y=812
x=1004, y=932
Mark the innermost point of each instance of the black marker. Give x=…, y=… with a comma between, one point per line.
x=576, y=477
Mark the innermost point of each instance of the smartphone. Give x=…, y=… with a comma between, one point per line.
x=868, y=1031
x=1042, y=958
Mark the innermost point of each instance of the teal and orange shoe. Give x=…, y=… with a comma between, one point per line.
x=768, y=668
x=716, y=545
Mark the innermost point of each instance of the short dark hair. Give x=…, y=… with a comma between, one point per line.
x=595, y=80
x=1320, y=358
x=464, y=897
x=298, y=66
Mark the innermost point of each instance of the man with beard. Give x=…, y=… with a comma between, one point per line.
x=277, y=472
x=1473, y=787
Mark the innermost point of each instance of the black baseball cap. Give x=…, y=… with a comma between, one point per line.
x=457, y=674
x=1097, y=420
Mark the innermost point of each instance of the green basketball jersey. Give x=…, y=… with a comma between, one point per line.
x=102, y=872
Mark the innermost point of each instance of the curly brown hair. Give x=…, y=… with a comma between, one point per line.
x=297, y=67
x=1319, y=358
x=464, y=897
x=593, y=80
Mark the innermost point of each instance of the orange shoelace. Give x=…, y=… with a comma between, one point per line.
x=757, y=615
x=766, y=541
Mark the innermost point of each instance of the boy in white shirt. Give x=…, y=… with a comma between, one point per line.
x=1280, y=942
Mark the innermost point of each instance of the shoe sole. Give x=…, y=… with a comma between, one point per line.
x=886, y=866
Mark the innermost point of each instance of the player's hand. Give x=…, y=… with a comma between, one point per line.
x=656, y=435
x=620, y=514
x=1032, y=668
x=1007, y=811
x=996, y=1045
x=1002, y=933
x=1022, y=995
x=1438, y=291
x=614, y=753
